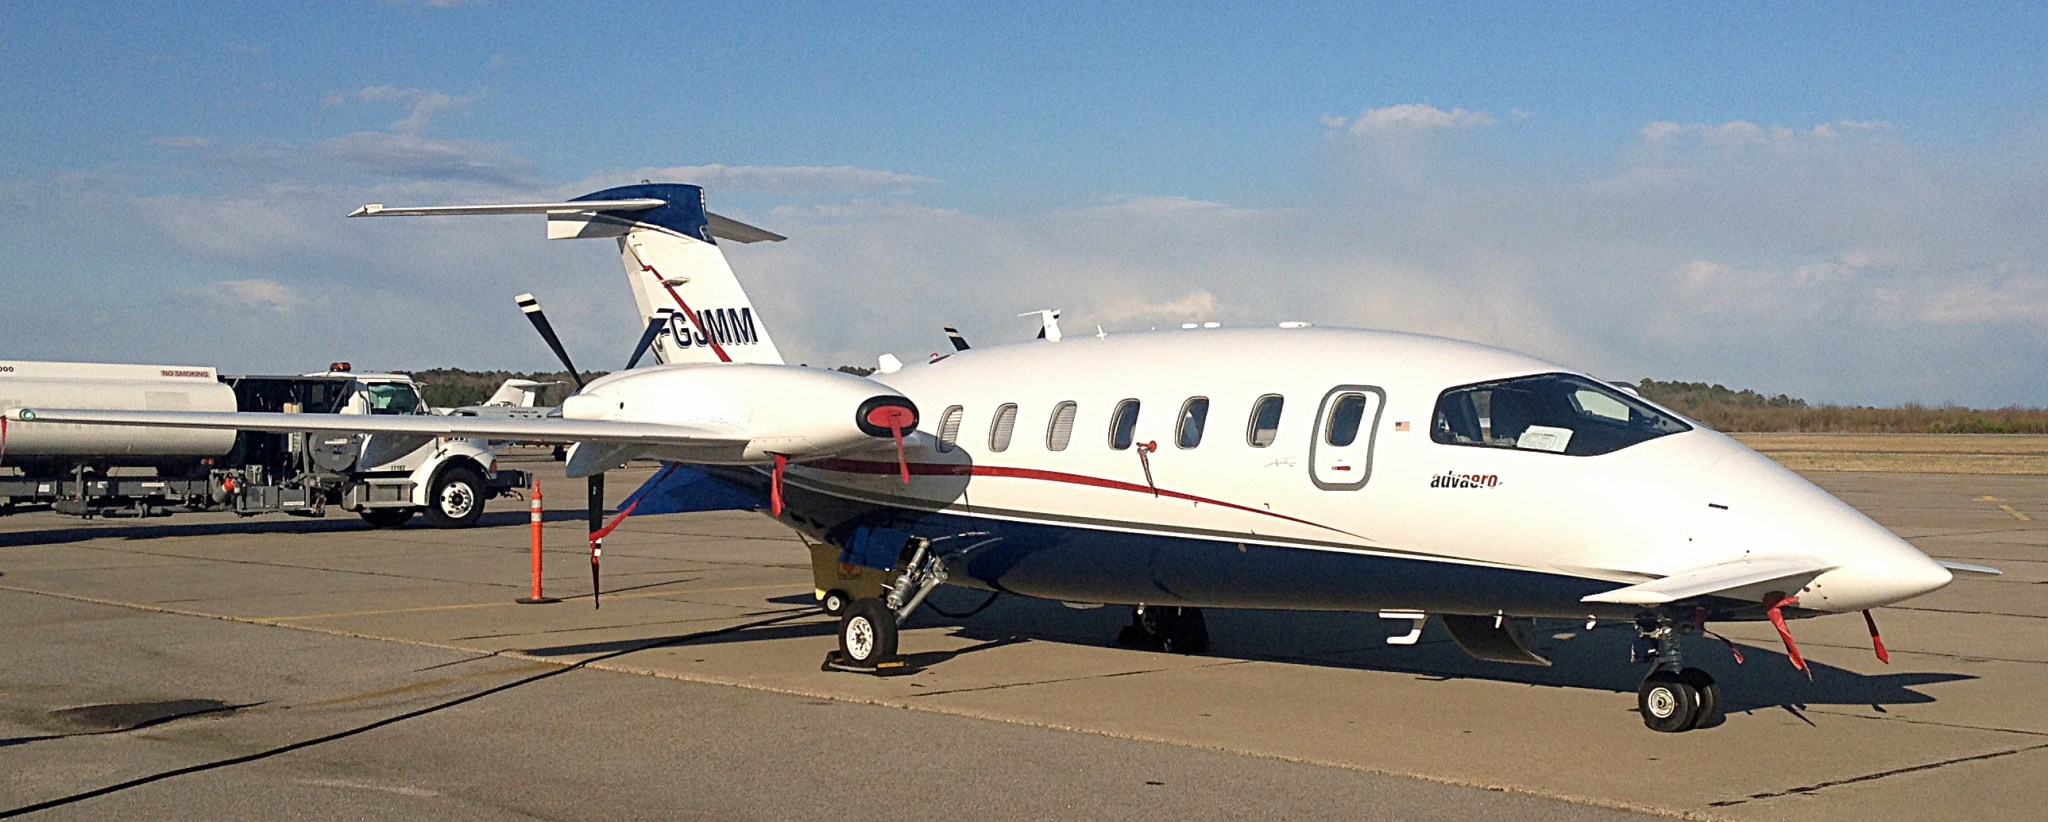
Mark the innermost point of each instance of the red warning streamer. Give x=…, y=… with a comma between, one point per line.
x=1145, y=450
x=775, y=484
x=1876, y=642
x=1774, y=607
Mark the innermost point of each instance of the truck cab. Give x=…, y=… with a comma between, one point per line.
x=391, y=477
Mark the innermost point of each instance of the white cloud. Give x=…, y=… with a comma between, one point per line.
x=1408, y=118
x=423, y=106
x=249, y=295
x=1744, y=132
x=1198, y=304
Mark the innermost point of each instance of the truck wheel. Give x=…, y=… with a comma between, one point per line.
x=387, y=517
x=456, y=499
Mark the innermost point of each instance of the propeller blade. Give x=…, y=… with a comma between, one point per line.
x=531, y=306
x=654, y=326
x=596, y=539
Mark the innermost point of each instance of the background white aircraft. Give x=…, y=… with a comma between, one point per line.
x=1289, y=468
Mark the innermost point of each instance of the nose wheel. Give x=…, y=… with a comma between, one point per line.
x=1673, y=698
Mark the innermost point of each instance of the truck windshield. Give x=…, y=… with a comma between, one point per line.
x=1558, y=413
x=393, y=398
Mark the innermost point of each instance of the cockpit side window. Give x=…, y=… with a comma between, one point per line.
x=1556, y=413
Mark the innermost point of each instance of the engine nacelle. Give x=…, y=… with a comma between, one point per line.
x=798, y=412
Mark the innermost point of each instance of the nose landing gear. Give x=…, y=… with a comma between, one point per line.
x=1673, y=698
x=868, y=628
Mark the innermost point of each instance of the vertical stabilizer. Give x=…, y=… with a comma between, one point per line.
x=669, y=244
x=675, y=267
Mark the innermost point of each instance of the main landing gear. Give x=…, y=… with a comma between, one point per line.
x=869, y=626
x=1172, y=629
x=1673, y=698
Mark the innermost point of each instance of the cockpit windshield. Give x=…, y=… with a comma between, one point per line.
x=1558, y=413
x=393, y=398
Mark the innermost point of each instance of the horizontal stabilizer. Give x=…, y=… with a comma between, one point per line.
x=636, y=204
x=1966, y=569
x=727, y=228
x=549, y=429
x=722, y=227
x=1726, y=579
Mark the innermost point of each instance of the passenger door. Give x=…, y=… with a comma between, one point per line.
x=1347, y=421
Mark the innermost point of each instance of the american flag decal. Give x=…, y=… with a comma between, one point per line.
x=1400, y=426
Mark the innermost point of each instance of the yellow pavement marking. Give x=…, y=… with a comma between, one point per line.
x=2015, y=514
x=470, y=605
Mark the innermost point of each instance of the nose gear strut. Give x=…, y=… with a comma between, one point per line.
x=868, y=630
x=1673, y=698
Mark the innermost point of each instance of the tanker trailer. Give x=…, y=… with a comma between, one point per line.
x=43, y=450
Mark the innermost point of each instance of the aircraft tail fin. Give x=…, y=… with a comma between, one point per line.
x=669, y=245
x=518, y=393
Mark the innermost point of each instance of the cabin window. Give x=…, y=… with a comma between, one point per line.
x=949, y=429
x=1060, y=431
x=1193, y=415
x=1123, y=425
x=1345, y=415
x=1265, y=422
x=1558, y=413
x=1004, y=425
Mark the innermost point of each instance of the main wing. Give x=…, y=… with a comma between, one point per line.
x=555, y=429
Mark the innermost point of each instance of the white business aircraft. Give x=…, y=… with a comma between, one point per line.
x=1283, y=468
x=515, y=397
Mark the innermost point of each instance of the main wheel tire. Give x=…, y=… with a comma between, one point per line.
x=1710, y=713
x=1667, y=703
x=867, y=634
x=456, y=499
x=833, y=602
x=387, y=517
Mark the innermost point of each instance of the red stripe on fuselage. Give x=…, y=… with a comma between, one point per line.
x=847, y=466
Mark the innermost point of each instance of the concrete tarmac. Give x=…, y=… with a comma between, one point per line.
x=204, y=666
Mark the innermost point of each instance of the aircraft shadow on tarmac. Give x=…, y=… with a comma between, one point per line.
x=1595, y=659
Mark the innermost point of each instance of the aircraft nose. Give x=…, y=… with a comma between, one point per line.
x=1873, y=578
x=1758, y=506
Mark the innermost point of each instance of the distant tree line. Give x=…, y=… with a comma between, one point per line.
x=1726, y=409
x=456, y=387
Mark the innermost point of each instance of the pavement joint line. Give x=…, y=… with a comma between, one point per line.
x=1831, y=711
x=1870, y=777
x=288, y=565
x=1966, y=611
x=881, y=702
x=1599, y=802
x=1066, y=679
x=496, y=604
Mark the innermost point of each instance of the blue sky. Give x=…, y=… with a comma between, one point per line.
x=1831, y=200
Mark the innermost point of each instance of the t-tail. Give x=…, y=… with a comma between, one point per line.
x=669, y=245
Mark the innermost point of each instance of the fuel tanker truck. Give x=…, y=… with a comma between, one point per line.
x=105, y=470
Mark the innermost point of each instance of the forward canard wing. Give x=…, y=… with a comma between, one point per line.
x=1748, y=579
